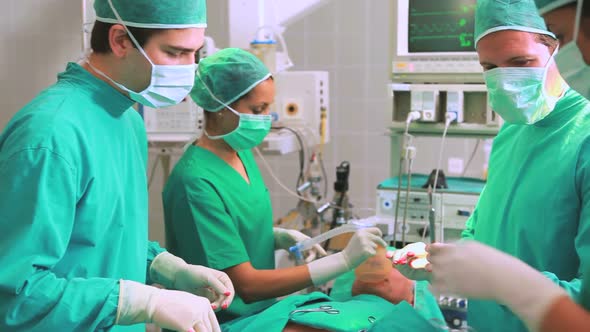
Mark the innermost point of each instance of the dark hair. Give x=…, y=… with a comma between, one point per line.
x=99, y=40
x=547, y=40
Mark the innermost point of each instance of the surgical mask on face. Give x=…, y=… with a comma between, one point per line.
x=251, y=129
x=518, y=94
x=169, y=84
x=571, y=64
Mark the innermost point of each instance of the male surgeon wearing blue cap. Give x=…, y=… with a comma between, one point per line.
x=488, y=268
x=75, y=251
x=536, y=204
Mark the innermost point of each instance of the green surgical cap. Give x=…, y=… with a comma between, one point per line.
x=546, y=6
x=497, y=15
x=154, y=14
x=228, y=75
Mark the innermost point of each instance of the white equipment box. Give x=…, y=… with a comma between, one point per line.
x=302, y=104
x=452, y=207
x=178, y=123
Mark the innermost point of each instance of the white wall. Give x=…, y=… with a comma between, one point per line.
x=38, y=38
x=344, y=37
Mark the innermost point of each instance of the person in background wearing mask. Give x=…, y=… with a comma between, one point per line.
x=478, y=271
x=570, y=21
x=536, y=204
x=217, y=208
x=75, y=252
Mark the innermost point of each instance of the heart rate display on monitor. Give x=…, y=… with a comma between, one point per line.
x=441, y=26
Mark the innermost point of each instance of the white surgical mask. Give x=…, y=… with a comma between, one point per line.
x=571, y=64
x=169, y=84
x=519, y=94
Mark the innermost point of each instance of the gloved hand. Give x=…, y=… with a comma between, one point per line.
x=286, y=238
x=169, y=309
x=475, y=270
x=361, y=246
x=174, y=273
x=410, y=260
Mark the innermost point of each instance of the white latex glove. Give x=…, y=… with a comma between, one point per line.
x=169, y=309
x=361, y=246
x=173, y=272
x=411, y=261
x=474, y=270
x=286, y=238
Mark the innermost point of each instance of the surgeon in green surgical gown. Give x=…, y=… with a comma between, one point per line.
x=536, y=204
x=74, y=243
x=217, y=208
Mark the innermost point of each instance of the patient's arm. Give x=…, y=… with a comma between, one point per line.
x=395, y=288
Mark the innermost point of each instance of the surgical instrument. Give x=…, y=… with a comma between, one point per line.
x=323, y=308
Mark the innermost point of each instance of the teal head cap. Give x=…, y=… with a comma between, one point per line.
x=154, y=14
x=546, y=6
x=497, y=15
x=224, y=77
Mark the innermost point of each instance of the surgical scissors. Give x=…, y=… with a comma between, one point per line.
x=323, y=308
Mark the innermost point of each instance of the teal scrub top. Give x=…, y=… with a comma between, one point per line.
x=536, y=204
x=215, y=218
x=73, y=211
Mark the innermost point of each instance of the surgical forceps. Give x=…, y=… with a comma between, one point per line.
x=323, y=308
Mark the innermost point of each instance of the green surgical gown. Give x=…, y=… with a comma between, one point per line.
x=536, y=204
x=359, y=313
x=215, y=218
x=73, y=211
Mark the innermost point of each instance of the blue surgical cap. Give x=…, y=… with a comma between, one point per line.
x=154, y=14
x=224, y=77
x=497, y=15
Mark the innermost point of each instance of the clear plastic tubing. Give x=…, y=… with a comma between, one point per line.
x=298, y=248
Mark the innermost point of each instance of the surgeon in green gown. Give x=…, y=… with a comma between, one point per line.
x=75, y=253
x=476, y=270
x=536, y=204
x=217, y=207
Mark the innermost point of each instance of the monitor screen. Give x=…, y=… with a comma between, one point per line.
x=441, y=26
